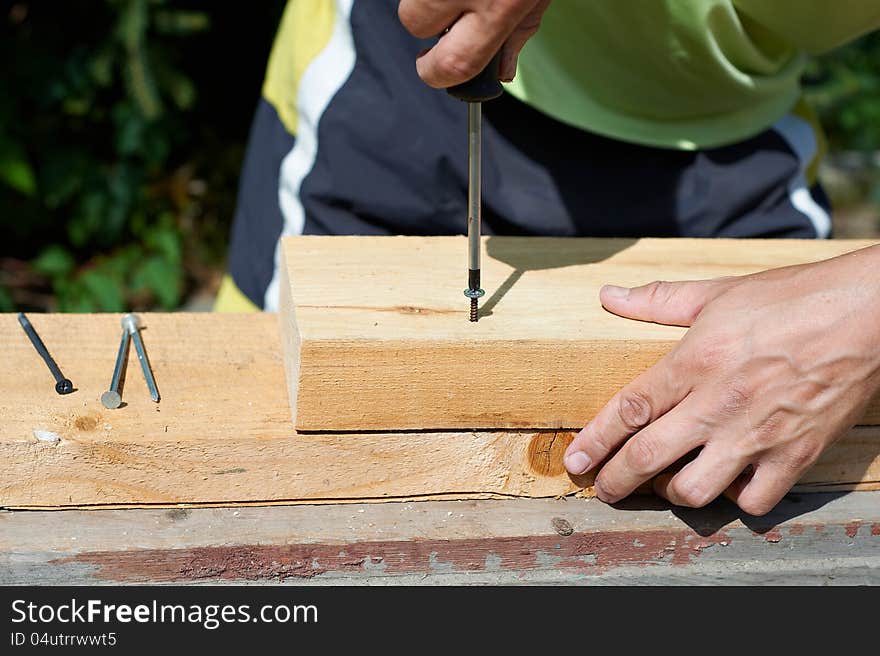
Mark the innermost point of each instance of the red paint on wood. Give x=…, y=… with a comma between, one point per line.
x=875, y=529
x=774, y=535
x=586, y=553
x=852, y=529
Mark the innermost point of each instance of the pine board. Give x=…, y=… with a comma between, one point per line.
x=222, y=434
x=376, y=335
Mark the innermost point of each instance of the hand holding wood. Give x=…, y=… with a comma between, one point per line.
x=775, y=367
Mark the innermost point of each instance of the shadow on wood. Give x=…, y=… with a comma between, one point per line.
x=527, y=256
x=722, y=512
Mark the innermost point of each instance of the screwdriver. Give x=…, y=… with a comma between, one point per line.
x=475, y=92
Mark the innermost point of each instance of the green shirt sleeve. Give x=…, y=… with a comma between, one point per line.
x=680, y=74
x=814, y=26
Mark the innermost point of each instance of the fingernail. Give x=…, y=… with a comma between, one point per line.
x=616, y=292
x=577, y=463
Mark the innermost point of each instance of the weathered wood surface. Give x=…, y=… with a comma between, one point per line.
x=222, y=432
x=815, y=539
x=377, y=338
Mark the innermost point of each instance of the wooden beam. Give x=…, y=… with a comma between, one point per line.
x=376, y=334
x=820, y=538
x=222, y=432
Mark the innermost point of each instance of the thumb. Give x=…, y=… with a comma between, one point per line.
x=670, y=303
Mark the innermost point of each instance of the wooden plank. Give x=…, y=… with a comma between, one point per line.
x=821, y=538
x=376, y=334
x=222, y=432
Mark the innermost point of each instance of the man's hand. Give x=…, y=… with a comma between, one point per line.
x=477, y=30
x=775, y=367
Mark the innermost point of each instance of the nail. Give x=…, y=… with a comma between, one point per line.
x=577, y=463
x=616, y=292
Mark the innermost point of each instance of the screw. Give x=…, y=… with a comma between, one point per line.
x=474, y=294
x=62, y=384
x=111, y=398
x=131, y=323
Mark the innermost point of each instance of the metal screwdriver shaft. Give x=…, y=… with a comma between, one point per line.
x=111, y=399
x=130, y=322
x=62, y=384
x=475, y=139
x=484, y=86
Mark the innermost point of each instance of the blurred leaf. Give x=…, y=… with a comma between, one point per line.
x=179, y=22
x=130, y=126
x=110, y=111
x=844, y=87
x=105, y=291
x=15, y=169
x=62, y=175
x=102, y=67
x=54, y=261
x=6, y=304
x=133, y=24
x=162, y=278
x=166, y=241
x=73, y=296
x=87, y=221
x=182, y=90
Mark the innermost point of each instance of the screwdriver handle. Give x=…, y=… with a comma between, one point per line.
x=483, y=87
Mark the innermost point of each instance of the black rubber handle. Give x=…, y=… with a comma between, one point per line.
x=483, y=87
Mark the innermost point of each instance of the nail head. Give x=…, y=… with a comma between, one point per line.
x=111, y=400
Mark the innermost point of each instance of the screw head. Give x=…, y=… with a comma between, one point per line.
x=111, y=400
x=64, y=386
x=474, y=293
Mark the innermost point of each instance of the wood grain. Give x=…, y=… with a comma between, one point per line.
x=222, y=432
x=376, y=334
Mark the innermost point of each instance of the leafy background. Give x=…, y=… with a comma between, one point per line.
x=123, y=125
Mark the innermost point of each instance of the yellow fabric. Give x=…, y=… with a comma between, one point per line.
x=230, y=299
x=804, y=111
x=305, y=29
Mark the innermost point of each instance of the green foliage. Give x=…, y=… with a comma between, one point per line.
x=110, y=132
x=844, y=87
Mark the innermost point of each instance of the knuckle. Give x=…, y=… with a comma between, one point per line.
x=801, y=456
x=658, y=291
x=752, y=445
x=641, y=455
x=759, y=439
x=454, y=65
x=609, y=488
x=756, y=507
x=690, y=494
x=532, y=21
x=634, y=409
x=530, y=29
x=600, y=443
x=712, y=352
x=501, y=10
x=736, y=398
x=406, y=15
